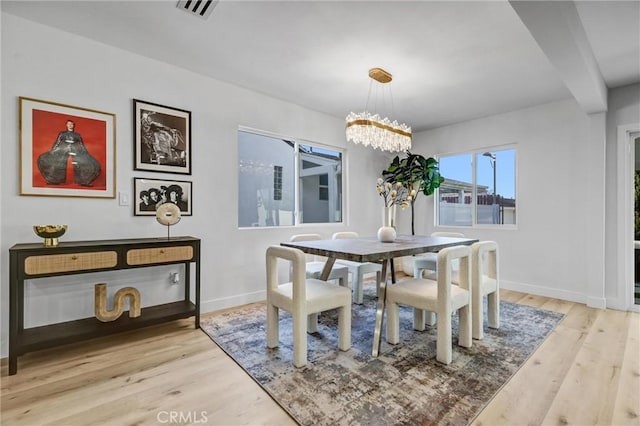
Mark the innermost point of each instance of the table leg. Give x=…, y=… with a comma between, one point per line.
x=327, y=268
x=382, y=293
x=393, y=271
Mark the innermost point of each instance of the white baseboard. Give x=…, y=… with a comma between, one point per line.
x=233, y=301
x=243, y=299
x=620, y=304
x=597, y=302
x=544, y=291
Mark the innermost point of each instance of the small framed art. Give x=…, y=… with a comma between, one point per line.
x=162, y=138
x=66, y=151
x=152, y=193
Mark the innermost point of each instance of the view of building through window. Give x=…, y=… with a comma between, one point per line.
x=270, y=195
x=479, y=188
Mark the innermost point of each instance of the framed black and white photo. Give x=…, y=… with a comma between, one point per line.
x=152, y=193
x=162, y=138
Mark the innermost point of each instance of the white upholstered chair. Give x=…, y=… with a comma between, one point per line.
x=428, y=260
x=358, y=270
x=440, y=296
x=315, y=264
x=485, y=281
x=301, y=297
x=314, y=267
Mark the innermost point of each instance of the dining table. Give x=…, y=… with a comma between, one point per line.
x=370, y=249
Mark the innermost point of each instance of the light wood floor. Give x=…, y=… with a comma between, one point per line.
x=586, y=373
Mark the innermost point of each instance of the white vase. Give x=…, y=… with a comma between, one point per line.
x=389, y=216
x=387, y=232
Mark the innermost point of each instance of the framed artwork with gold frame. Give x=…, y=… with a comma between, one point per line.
x=66, y=151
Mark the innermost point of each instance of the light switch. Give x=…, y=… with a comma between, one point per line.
x=123, y=198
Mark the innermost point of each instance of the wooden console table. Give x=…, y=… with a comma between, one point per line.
x=32, y=261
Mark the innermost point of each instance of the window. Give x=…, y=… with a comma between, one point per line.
x=479, y=188
x=283, y=182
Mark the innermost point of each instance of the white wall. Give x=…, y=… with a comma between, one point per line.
x=47, y=64
x=546, y=254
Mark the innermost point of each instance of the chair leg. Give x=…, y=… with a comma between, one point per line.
x=430, y=318
x=493, y=309
x=422, y=318
x=464, y=326
x=312, y=323
x=299, y=341
x=478, y=315
x=393, y=323
x=357, y=288
x=418, y=319
x=272, y=326
x=417, y=272
x=344, y=328
x=443, y=346
x=343, y=280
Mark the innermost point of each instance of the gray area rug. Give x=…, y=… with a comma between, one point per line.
x=403, y=386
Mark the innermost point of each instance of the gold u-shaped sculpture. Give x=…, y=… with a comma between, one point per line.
x=105, y=315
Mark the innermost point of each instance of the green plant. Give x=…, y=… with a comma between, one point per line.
x=417, y=173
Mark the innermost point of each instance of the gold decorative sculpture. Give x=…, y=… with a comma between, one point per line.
x=50, y=233
x=105, y=315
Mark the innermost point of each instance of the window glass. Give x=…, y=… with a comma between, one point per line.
x=456, y=192
x=267, y=182
x=496, y=187
x=320, y=185
x=479, y=188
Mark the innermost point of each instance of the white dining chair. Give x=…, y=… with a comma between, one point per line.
x=440, y=296
x=428, y=260
x=315, y=264
x=485, y=282
x=301, y=297
x=358, y=269
x=314, y=267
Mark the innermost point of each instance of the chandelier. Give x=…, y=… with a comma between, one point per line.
x=371, y=130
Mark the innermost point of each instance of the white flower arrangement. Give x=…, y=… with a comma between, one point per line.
x=395, y=193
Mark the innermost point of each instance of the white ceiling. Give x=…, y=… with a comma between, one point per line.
x=451, y=60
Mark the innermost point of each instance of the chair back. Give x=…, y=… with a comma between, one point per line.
x=308, y=237
x=298, y=267
x=450, y=235
x=444, y=269
x=447, y=234
x=485, y=260
x=344, y=234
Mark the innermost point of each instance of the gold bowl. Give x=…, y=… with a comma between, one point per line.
x=50, y=233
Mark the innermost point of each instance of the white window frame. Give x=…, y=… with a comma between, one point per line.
x=296, y=178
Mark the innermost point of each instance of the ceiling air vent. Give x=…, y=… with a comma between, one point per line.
x=199, y=8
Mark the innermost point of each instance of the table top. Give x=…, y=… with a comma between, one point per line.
x=369, y=249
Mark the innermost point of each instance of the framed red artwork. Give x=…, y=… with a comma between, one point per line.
x=66, y=151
